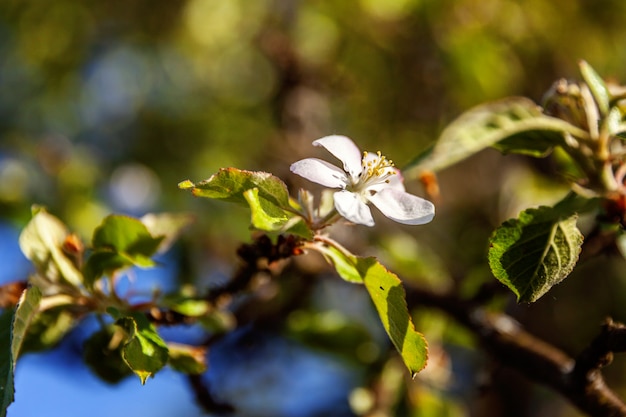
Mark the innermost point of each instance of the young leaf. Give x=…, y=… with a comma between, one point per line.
x=534, y=252
x=389, y=297
x=488, y=124
x=596, y=85
x=13, y=327
x=41, y=241
x=229, y=184
x=120, y=242
x=144, y=351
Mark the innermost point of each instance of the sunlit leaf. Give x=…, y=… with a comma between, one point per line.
x=120, y=242
x=41, y=241
x=187, y=359
x=596, y=85
x=345, y=264
x=389, y=297
x=534, y=252
x=230, y=184
x=144, y=351
x=516, y=118
x=265, y=214
x=13, y=327
x=24, y=315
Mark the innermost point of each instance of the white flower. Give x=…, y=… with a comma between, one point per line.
x=364, y=178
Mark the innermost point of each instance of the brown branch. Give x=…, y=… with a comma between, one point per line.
x=578, y=380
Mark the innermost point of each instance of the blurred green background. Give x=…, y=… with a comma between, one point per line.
x=106, y=105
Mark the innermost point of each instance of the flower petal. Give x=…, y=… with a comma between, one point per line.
x=320, y=172
x=350, y=206
x=345, y=150
x=403, y=207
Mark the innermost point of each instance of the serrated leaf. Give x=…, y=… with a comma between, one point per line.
x=120, y=242
x=229, y=184
x=187, y=359
x=24, y=315
x=596, y=85
x=144, y=351
x=41, y=242
x=7, y=365
x=534, y=252
x=13, y=327
x=389, y=297
x=487, y=124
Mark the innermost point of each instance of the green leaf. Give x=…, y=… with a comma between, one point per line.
x=13, y=327
x=265, y=214
x=120, y=242
x=597, y=86
x=24, y=315
x=125, y=235
x=41, y=241
x=345, y=264
x=534, y=252
x=389, y=297
x=7, y=365
x=488, y=124
x=229, y=184
x=187, y=359
x=144, y=351
x=104, y=358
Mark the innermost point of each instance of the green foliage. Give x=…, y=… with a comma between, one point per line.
x=230, y=184
x=389, y=297
x=7, y=364
x=41, y=241
x=534, y=252
x=266, y=195
x=143, y=351
x=13, y=328
x=597, y=86
x=120, y=242
x=517, y=121
x=345, y=264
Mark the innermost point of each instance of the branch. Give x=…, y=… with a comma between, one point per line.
x=578, y=380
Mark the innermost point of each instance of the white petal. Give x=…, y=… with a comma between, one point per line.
x=397, y=180
x=345, y=150
x=350, y=206
x=320, y=172
x=403, y=207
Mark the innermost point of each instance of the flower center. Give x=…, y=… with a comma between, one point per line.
x=376, y=170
